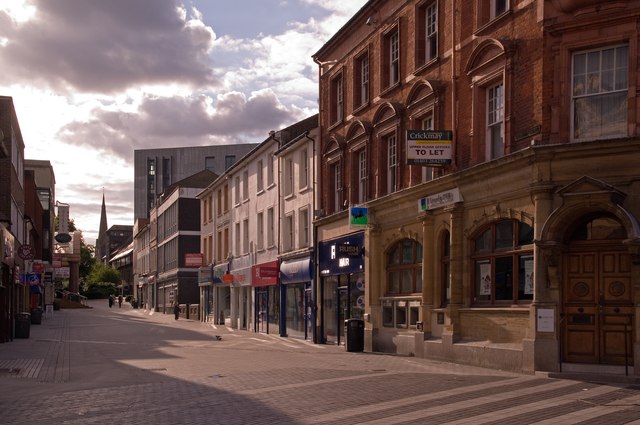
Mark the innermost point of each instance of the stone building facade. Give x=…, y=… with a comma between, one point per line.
x=493, y=146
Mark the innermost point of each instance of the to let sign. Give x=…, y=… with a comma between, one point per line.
x=429, y=147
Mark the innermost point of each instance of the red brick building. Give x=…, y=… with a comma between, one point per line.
x=493, y=147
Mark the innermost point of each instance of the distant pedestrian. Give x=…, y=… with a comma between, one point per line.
x=176, y=310
x=120, y=301
x=111, y=300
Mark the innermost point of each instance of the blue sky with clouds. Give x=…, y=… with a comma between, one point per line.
x=92, y=80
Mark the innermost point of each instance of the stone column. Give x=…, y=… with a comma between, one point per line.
x=451, y=330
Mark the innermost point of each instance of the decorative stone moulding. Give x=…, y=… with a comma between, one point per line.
x=570, y=6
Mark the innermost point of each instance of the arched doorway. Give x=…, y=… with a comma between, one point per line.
x=597, y=293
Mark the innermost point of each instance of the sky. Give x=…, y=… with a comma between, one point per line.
x=93, y=80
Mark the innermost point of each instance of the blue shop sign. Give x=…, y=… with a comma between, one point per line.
x=296, y=271
x=342, y=255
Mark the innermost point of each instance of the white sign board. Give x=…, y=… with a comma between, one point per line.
x=546, y=320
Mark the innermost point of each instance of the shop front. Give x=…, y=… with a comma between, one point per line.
x=264, y=278
x=241, y=295
x=342, y=285
x=296, y=279
x=6, y=284
x=220, y=293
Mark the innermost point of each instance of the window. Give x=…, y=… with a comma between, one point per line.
x=287, y=233
x=270, y=227
x=503, y=263
x=428, y=173
x=404, y=268
x=210, y=163
x=270, y=170
x=400, y=313
x=229, y=160
x=288, y=176
x=245, y=235
x=225, y=248
x=336, y=173
x=498, y=7
x=219, y=202
x=166, y=173
x=219, y=254
x=237, y=240
x=392, y=164
x=390, y=63
x=304, y=169
x=303, y=228
x=260, y=179
x=260, y=236
x=495, y=121
x=599, y=93
x=245, y=185
x=362, y=176
x=226, y=197
x=337, y=100
x=205, y=205
x=431, y=31
x=361, y=86
x=237, y=189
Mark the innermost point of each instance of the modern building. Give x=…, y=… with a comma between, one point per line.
x=478, y=181
x=122, y=260
x=177, y=243
x=157, y=169
x=45, y=181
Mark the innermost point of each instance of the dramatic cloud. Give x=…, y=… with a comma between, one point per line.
x=105, y=46
x=92, y=80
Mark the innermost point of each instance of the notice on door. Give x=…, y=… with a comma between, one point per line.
x=546, y=320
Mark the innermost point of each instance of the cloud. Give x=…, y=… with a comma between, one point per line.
x=179, y=121
x=99, y=46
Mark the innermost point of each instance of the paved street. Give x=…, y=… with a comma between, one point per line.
x=105, y=366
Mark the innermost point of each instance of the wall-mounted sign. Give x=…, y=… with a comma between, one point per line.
x=358, y=216
x=193, y=260
x=429, y=147
x=26, y=252
x=438, y=200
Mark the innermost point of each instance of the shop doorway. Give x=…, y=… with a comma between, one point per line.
x=597, y=295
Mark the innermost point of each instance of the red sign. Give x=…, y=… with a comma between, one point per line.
x=26, y=252
x=265, y=274
x=193, y=260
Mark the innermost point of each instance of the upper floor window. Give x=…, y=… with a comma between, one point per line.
x=270, y=170
x=490, y=10
x=337, y=100
x=226, y=197
x=427, y=33
x=260, y=236
x=245, y=185
x=259, y=175
x=361, y=86
x=245, y=235
x=270, y=227
x=495, y=121
x=237, y=239
x=392, y=49
x=304, y=169
x=219, y=202
x=599, y=92
x=404, y=268
x=392, y=164
x=362, y=176
x=337, y=186
x=229, y=160
x=503, y=263
x=210, y=163
x=288, y=176
x=426, y=123
x=287, y=232
x=498, y=7
x=303, y=227
x=237, y=189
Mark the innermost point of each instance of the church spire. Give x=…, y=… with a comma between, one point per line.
x=102, y=243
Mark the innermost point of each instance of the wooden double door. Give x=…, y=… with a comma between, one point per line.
x=598, y=314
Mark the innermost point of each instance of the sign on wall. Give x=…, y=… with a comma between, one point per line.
x=429, y=147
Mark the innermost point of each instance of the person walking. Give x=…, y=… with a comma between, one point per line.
x=176, y=310
x=111, y=300
x=120, y=301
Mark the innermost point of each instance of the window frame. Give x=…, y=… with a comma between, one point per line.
x=494, y=119
x=623, y=92
x=400, y=268
x=337, y=99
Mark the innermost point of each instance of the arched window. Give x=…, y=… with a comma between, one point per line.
x=503, y=263
x=598, y=228
x=404, y=268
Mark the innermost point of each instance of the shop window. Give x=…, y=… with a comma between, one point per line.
x=404, y=268
x=503, y=263
x=403, y=313
x=599, y=93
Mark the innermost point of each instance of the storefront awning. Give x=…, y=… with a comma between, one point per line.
x=294, y=271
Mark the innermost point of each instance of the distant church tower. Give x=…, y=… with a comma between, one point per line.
x=102, y=243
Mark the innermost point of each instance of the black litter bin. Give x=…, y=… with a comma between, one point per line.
x=36, y=316
x=23, y=325
x=354, y=333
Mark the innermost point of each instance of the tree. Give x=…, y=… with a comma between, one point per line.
x=101, y=281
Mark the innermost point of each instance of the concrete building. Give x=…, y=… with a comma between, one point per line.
x=177, y=244
x=494, y=145
x=157, y=169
